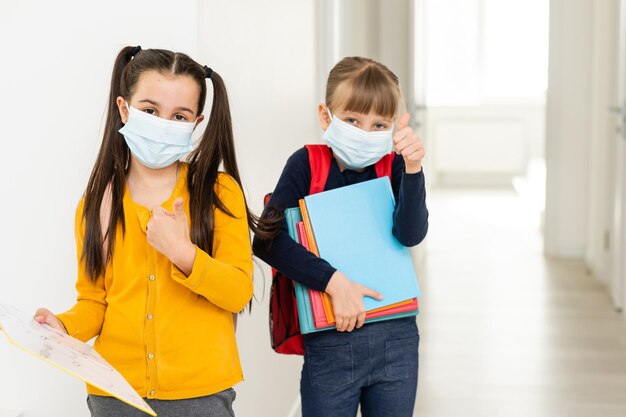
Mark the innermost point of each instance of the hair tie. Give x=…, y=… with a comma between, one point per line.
x=134, y=51
x=207, y=71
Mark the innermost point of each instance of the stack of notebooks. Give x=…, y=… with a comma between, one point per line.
x=351, y=228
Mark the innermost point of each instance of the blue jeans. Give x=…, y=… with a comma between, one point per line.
x=375, y=366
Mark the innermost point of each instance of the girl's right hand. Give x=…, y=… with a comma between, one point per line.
x=347, y=298
x=45, y=316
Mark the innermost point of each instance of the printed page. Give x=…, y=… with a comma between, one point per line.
x=68, y=354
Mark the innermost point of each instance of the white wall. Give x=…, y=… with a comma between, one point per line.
x=380, y=30
x=265, y=51
x=359, y=28
x=581, y=137
x=603, y=136
x=568, y=128
x=54, y=84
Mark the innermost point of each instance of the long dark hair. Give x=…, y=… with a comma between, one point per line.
x=108, y=178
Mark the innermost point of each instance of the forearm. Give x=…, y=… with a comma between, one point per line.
x=293, y=260
x=184, y=257
x=84, y=320
x=411, y=214
x=227, y=284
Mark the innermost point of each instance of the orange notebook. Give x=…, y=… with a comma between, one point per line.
x=328, y=306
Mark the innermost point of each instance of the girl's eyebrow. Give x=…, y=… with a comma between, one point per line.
x=184, y=109
x=384, y=119
x=154, y=103
x=147, y=100
x=356, y=115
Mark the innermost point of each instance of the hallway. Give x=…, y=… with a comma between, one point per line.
x=505, y=331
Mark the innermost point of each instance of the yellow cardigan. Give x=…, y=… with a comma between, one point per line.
x=170, y=335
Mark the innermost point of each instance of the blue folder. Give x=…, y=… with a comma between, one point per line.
x=353, y=231
x=303, y=300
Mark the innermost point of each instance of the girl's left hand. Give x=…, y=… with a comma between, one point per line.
x=45, y=316
x=168, y=233
x=408, y=145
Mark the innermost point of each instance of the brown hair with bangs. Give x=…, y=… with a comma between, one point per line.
x=362, y=85
x=354, y=84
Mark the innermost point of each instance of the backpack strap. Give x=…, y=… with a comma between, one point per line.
x=319, y=161
x=384, y=166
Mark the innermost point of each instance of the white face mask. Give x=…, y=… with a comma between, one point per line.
x=355, y=147
x=155, y=142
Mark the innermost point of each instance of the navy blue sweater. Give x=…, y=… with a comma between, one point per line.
x=410, y=221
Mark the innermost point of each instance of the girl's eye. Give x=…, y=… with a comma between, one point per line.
x=352, y=121
x=381, y=126
x=150, y=111
x=180, y=117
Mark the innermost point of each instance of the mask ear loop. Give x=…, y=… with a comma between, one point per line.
x=127, y=109
x=329, y=113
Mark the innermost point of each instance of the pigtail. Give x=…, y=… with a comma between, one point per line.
x=216, y=149
x=108, y=179
x=204, y=163
x=220, y=127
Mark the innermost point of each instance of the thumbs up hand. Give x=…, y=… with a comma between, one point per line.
x=408, y=145
x=168, y=233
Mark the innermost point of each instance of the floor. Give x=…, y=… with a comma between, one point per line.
x=505, y=331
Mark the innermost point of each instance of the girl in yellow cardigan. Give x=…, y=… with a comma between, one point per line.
x=163, y=246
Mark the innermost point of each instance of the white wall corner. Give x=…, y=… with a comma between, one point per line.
x=601, y=156
x=568, y=128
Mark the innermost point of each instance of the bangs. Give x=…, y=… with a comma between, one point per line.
x=370, y=90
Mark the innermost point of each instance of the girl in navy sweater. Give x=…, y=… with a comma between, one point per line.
x=374, y=365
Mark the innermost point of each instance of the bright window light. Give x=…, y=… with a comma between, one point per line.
x=481, y=51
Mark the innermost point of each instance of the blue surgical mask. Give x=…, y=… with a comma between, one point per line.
x=155, y=142
x=357, y=148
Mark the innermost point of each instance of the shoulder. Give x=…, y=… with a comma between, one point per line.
x=298, y=164
x=225, y=185
x=230, y=194
x=299, y=158
x=80, y=206
x=78, y=215
x=296, y=168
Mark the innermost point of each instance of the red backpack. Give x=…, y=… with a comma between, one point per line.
x=284, y=326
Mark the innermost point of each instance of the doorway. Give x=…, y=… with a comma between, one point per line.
x=481, y=80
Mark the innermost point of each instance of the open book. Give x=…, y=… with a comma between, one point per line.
x=68, y=354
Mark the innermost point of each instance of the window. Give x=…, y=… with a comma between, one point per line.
x=485, y=51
